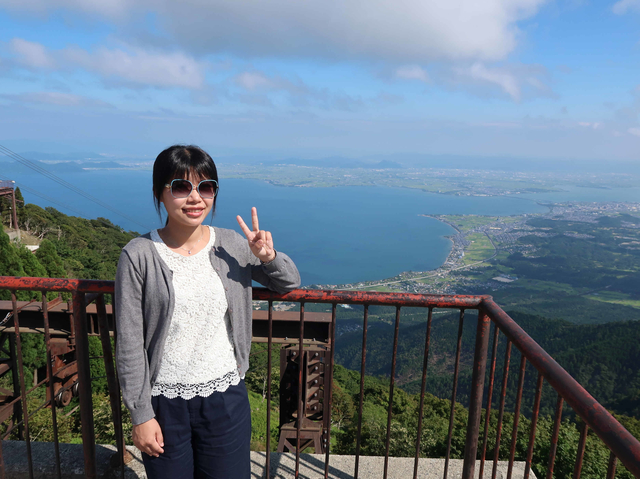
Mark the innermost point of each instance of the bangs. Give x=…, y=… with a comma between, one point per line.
x=191, y=162
x=200, y=171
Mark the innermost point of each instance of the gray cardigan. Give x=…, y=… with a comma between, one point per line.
x=144, y=301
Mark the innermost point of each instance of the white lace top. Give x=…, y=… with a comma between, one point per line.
x=198, y=356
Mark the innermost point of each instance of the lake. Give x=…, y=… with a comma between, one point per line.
x=335, y=235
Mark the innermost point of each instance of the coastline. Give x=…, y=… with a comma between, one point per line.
x=456, y=243
x=453, y=262
x=481, y=238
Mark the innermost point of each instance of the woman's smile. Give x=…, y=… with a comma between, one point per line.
x=193, y=212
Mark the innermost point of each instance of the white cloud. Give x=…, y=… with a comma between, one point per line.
x=412, y=72
x=402, y=31
x=141, y=67
x=505, y=80
x=634, y=131
x=257, y=81
x=593, y=125
x=514, y=80
x=623, y=6
x=501, y=124
x=462, y=38
x=55, y=98
x=298, y=94
x=134, y=66
x=111, y=8
x=31, y=54
x=253, y=81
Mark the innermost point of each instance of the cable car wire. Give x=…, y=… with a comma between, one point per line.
x=62, y=205
x=43, y=171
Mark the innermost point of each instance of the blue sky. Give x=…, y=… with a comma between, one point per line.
x=515, y=78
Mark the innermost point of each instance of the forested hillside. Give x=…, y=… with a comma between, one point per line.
x=435, y=430
x=69, y=247
x=603, y=357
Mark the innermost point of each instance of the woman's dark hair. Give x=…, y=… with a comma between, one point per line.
x=182, y=161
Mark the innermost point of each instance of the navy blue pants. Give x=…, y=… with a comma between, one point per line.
x=204, y=437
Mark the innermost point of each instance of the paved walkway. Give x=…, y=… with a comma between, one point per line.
x=282, y=465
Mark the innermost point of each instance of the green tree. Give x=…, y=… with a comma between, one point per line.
x=10, y=264
x=48, y=257
x=258, y=407
x=31, y=264
x=33, y=268
x=19, y=199
x=342, y=407
x=34, y=219
x=103, y=420
x=34, y=354
x=98, y=370
x=5, y=210
x=257, y=375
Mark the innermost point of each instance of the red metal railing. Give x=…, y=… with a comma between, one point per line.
x=621, y=443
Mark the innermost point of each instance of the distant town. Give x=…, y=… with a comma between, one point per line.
x=447, y=181
x=480, y=239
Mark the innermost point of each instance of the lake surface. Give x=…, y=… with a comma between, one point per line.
x=335, y=235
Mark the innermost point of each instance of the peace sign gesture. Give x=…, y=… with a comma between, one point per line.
x=260, y=241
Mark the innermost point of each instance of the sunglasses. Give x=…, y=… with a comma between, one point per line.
x=182, y=188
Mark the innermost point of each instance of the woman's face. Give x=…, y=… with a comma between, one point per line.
x=187, y=212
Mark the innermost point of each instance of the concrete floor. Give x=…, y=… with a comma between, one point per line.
x=282, y=465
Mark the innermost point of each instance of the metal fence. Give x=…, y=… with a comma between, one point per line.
x=621, y=444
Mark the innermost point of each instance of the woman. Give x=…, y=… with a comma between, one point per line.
x=183, y=309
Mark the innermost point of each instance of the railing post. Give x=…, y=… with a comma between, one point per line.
x=477, y=386
x=452, y=413
x=17, y=407
x=112, y=383
x=23, y=390
x=391, y=385
x=84, y=385
x=302, y=378
x=267, y=466
x=329, y=382
x=52, y=392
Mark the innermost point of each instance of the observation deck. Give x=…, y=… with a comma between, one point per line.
x=478, y=441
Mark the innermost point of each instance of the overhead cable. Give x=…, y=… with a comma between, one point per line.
x=62, y=205
x=43, y=171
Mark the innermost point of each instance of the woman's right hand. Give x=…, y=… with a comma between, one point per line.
x=148, y=437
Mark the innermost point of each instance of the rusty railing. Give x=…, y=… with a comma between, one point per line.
x=621, y=444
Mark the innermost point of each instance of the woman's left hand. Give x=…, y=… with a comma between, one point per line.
x=260, y=241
